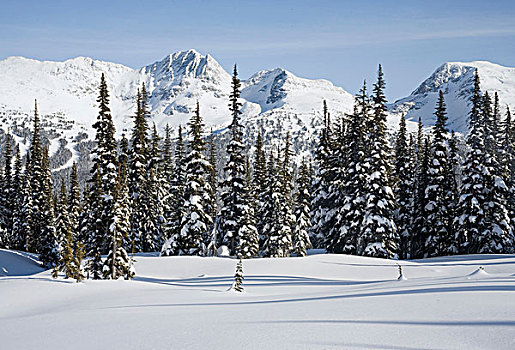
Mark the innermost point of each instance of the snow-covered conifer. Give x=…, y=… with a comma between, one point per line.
x=439, y=238
x=21, y=205
x=235, y=211
x=7, y=194
x=74, y=202
x=498, y=238
x=47, y=242
x=301, y=241
x=118, y=263
x=259, y=181
x=138, y=162
x=176, y=200
x=403, y=189
x=320, y=229
x=471, y=219
x=238, y=277
x=196, y=222
x=379, y=236
x=346, y=231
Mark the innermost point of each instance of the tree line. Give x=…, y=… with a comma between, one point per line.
x=415, y=197
x=363, y=194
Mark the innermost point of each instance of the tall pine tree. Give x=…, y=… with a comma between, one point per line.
x=439, y=238
x=196, y=220
x=237, y=233
x=379, y=236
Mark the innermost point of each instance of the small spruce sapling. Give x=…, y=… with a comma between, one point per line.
x=401, y=275
x=238, y=277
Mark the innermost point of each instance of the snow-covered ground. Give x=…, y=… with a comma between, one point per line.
x=318, y=302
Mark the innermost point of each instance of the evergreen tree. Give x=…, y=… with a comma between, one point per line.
x=64, y=234
x=153, y=197
x=41, y=236
x=4, y=237
x=508, y=162
x=320, y=230
x=338, y=164
x=423, y=158
x=280, y=217
x=105, y=152
x=301, y=241
x=238, y=277
x=212, y=180
x=249, y=238
x=93, y=228
x=439, y=238
x=79, y=254
x=196, y=221
x=471, y=219
x=379, y=237
x=403, y=172
x=84, y=220
x=287, y=216
x=167, y=155
x=66, y=261
x=7, y=195
x=20, y=205
x=118, y=263
x=48, y=241
x=74, y=203
x=123, y=156
x=347, y=230
x=269, y=212
x=100, y=221
x=173, y=225
x=455, y=164
x=498, y=237
x=62, y=221
x=235, y=212
x=123, y=174
x=259, y=181
x=138, y=163
x=35, y=174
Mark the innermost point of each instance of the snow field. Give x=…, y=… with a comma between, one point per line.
x=317, y=302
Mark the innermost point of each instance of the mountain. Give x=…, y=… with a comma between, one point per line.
x=456, y=79
x=275, y=102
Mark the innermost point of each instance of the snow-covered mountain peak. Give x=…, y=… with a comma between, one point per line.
x=448, y=72
x=275, y=101
x=456, y=80
x=266, y=88
x=177, y=82
x=278, y=87
x=187, y=64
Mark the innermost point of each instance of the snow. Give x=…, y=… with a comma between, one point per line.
x=273, y=100
x=480, y=272
x=317, y=302
x=456, y=80
x=14, y=263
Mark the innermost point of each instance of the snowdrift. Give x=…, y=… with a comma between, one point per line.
x=13, y=263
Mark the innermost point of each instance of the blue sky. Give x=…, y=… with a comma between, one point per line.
x=342, y=41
